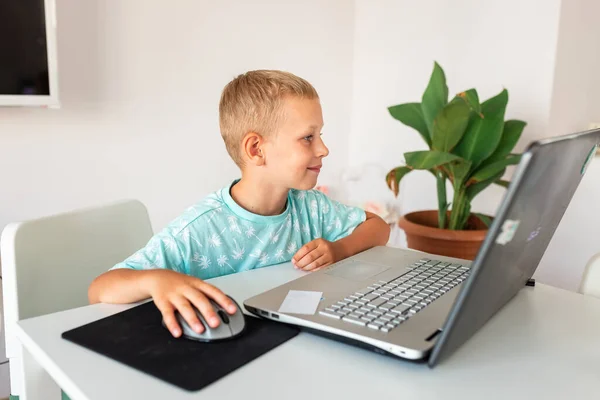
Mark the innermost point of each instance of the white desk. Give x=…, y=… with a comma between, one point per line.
x=545, y=344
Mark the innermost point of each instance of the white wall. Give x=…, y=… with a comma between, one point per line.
x=487, y=45
x=576, y=103
x=140, y=83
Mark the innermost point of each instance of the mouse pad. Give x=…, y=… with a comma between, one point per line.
x=137, y=338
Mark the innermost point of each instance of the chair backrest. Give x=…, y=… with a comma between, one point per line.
x=590, y=282
x=48, y=263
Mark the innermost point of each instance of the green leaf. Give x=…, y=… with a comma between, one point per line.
x=435, y=96
x=502, y=183
x=510, y=136
x=410, y=114
x=394, y=177
x=428, y=159
x=489, y=170
x=475, y=189
x=449, y=126
x=483, y=134
x=459, y=171
x=484, y=218
x=472, y=99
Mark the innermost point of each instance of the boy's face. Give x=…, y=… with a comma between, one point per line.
x=295, y=152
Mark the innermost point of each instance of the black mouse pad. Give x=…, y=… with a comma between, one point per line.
x=137, y=338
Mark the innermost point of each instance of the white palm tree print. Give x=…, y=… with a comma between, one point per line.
x=279, y=255
x=301, y=195
x=159, y=262
x=274, y=237
x=352, y=217
x=338, y=223
x=233, y=224
x=251, y=232
x=264, y=258
x=170, y=244
x=238, y=252
x=192, y=210
x=153, y=245
x=261, y=255
x=223, y=260
x=202, y=261
x=180, y=225
x=306, y=229
x=314, y=208
x=187, y=235
x=297, y=226
x=215, y=213
x=291, y=249
x=324, y=208
x=215, y=240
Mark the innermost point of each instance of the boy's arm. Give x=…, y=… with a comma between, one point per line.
x=130, y=280
x=170, y=290
x=157, y=271
x=373, y=232
x=120, y=286
x=320, y=253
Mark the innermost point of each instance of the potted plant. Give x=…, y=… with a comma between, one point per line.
x=470, y=145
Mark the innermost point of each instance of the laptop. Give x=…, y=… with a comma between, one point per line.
x=421, y=306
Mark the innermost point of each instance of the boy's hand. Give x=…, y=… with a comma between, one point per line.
x=172, y=291
x=317, y=254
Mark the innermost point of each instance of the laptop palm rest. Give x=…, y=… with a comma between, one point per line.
x=357, y=271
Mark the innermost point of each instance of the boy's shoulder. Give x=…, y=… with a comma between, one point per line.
x=205, y=208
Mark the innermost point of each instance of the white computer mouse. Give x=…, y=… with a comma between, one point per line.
x=230, y=326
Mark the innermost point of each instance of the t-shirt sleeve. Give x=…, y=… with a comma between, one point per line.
x=337, y=220
x=162, y=252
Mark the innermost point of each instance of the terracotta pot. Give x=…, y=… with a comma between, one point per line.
x=423, y=234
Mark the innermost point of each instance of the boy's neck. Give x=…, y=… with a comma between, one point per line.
x=259, y=197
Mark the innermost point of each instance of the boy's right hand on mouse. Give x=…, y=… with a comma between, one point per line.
x=173, y=291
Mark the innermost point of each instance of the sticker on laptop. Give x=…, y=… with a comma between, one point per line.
x=509, y=229
x=301, y=302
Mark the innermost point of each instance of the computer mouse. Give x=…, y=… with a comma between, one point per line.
x=230, y=326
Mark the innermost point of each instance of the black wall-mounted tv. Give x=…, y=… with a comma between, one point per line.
x=28, y=62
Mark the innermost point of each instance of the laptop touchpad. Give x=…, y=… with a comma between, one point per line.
x=357, y=271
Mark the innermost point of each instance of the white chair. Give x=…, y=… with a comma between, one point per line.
x=590, y=282
x=48, y=264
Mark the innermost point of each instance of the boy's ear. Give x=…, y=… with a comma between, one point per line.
x=251, y=148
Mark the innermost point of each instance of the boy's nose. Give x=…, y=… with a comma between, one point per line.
x=322, y=150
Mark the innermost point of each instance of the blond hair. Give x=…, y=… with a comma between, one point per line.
x=252, y=102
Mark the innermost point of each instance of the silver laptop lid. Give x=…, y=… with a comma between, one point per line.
x=537, y=198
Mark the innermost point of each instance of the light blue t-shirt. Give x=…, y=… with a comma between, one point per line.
x=218, y=237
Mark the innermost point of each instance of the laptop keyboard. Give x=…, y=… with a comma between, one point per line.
x=384, y=305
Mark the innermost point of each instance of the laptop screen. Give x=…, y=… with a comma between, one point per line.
x=542, y=188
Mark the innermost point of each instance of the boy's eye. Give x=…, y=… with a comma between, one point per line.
x=308, y=138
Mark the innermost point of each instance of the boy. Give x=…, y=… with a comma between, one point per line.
x=271, y=123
